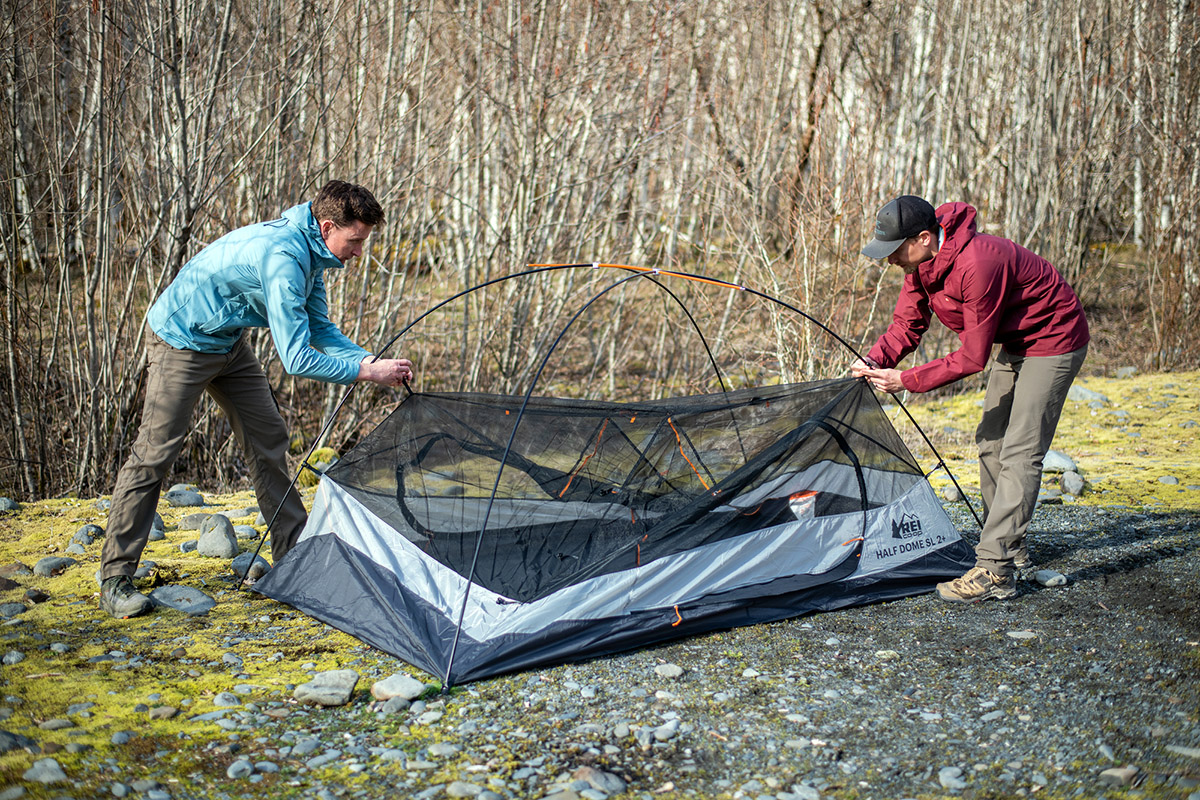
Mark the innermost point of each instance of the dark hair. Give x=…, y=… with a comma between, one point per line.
x=343, y=203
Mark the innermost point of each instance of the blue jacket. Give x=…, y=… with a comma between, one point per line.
x=263, y=275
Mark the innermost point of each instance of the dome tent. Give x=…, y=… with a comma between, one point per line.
x=474, y=534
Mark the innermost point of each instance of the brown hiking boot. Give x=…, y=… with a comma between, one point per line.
x=978, y=584
x=121, y=600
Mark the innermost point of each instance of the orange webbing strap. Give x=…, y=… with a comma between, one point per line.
x=678, y=617
x=679, y=439
x=587, y=458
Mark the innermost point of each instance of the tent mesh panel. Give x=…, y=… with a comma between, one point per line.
x=594, y=487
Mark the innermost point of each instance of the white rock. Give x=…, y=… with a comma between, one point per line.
x=402, y=686
x=1049, y=577
x=1056, y=461
x=330, y=688
x=1022, y=635
x=45, y=770
x=1119, y=776
x=951, y=778
x=668, y=670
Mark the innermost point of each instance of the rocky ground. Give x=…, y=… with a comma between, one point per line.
x=1089, y=689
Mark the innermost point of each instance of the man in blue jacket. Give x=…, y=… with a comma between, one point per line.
x=265, y=275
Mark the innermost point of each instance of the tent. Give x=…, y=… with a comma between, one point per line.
x=473, y=534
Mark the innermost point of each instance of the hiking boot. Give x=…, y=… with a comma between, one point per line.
x=121, y=600
x=978, y=584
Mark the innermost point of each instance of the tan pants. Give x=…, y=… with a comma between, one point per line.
x=1024, y=400
x=174, y=382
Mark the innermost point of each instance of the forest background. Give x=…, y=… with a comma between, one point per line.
x=751, y=142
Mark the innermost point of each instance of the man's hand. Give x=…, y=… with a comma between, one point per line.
x=385, y=371
x=884, y=380
x=860, y=367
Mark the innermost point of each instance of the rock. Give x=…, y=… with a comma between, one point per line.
x=951, y=778
x=226, y=700
x=1081, y=394
x=1119, y=776
x=52, y=565
x=6, y=584
x=330, y=688
x=188, y=546
x=10, y=610
x=217, y=539
x=1071, y=483
x=121, y=737
x=887, y=655
x=184, y=498
x=15, y=568
x=56, y=724
x=163, y=712
x=951, y=494
x=45, y=770
x=598, y=779
x=443, y=749
x=144, y=571
x=76, y=549
x=1049, y=577
x=192, y=602
x=8, y=504
x=87, y=534
x=193, y=522
x=15, y=741
x=258, y=568
x=1169, y=480
x=240, y=769
x=667, y=731
x=1126, y=372
x=245, y=532
x=156, y=535
x=395, y=705
x=668, y=671
x=1022, y=635
x=463, y=789
x=402, y=686
x=1056, y=461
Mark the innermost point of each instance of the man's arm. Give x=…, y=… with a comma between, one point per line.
x=385, y=371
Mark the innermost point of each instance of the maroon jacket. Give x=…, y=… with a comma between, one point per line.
x=989, y=291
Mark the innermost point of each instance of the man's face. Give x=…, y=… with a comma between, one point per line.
x=913, y=252
x=345, y=242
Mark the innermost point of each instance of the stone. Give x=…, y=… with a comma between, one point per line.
x=6, y=584
x=245, y=532
x=15, y=568
x=184, y=498
x=668, y=671
x=56, y=724
x=8, y=504
x=1126, y=372
x=12, y=657
x=1071, y=483
x=395, y=705
x=217, y=539
x=52, y=565
x=156, y=535
x=463, y=789
x=188, y=546
x=1050, y=578
x=190, y=601
x=330, y=688
x=1169, y=480
x=193, y=522
x=443, y=749
x=951, y=778
x=226, y=700
x=10, y=610
x=1056, y=461
x=1022, y=635
x=1081, y=394
x=163, y=712
x=951, y=494
x=45, y=770
x=76, y=549
x=258, y=567
x=1119, y=776
x=599, y=779
x=88, y=534
x=15, y=741
x=239, y=769
x=402, y=686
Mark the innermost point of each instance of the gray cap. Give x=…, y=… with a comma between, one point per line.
x=901, y=219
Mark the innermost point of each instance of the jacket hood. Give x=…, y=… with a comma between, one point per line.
x=958, y=224
x=302, y=217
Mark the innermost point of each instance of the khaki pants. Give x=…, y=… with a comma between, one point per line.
x=1024, y=400
x=174, y=382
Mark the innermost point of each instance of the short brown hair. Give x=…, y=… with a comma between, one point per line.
x=343, y=203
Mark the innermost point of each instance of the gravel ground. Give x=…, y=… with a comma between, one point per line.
x=1085, y=690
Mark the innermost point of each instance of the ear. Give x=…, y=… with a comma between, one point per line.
x=326, y=226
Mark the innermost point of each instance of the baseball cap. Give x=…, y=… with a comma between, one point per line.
x=902, y=218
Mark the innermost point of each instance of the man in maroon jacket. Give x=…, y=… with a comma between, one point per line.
x=989, y=291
